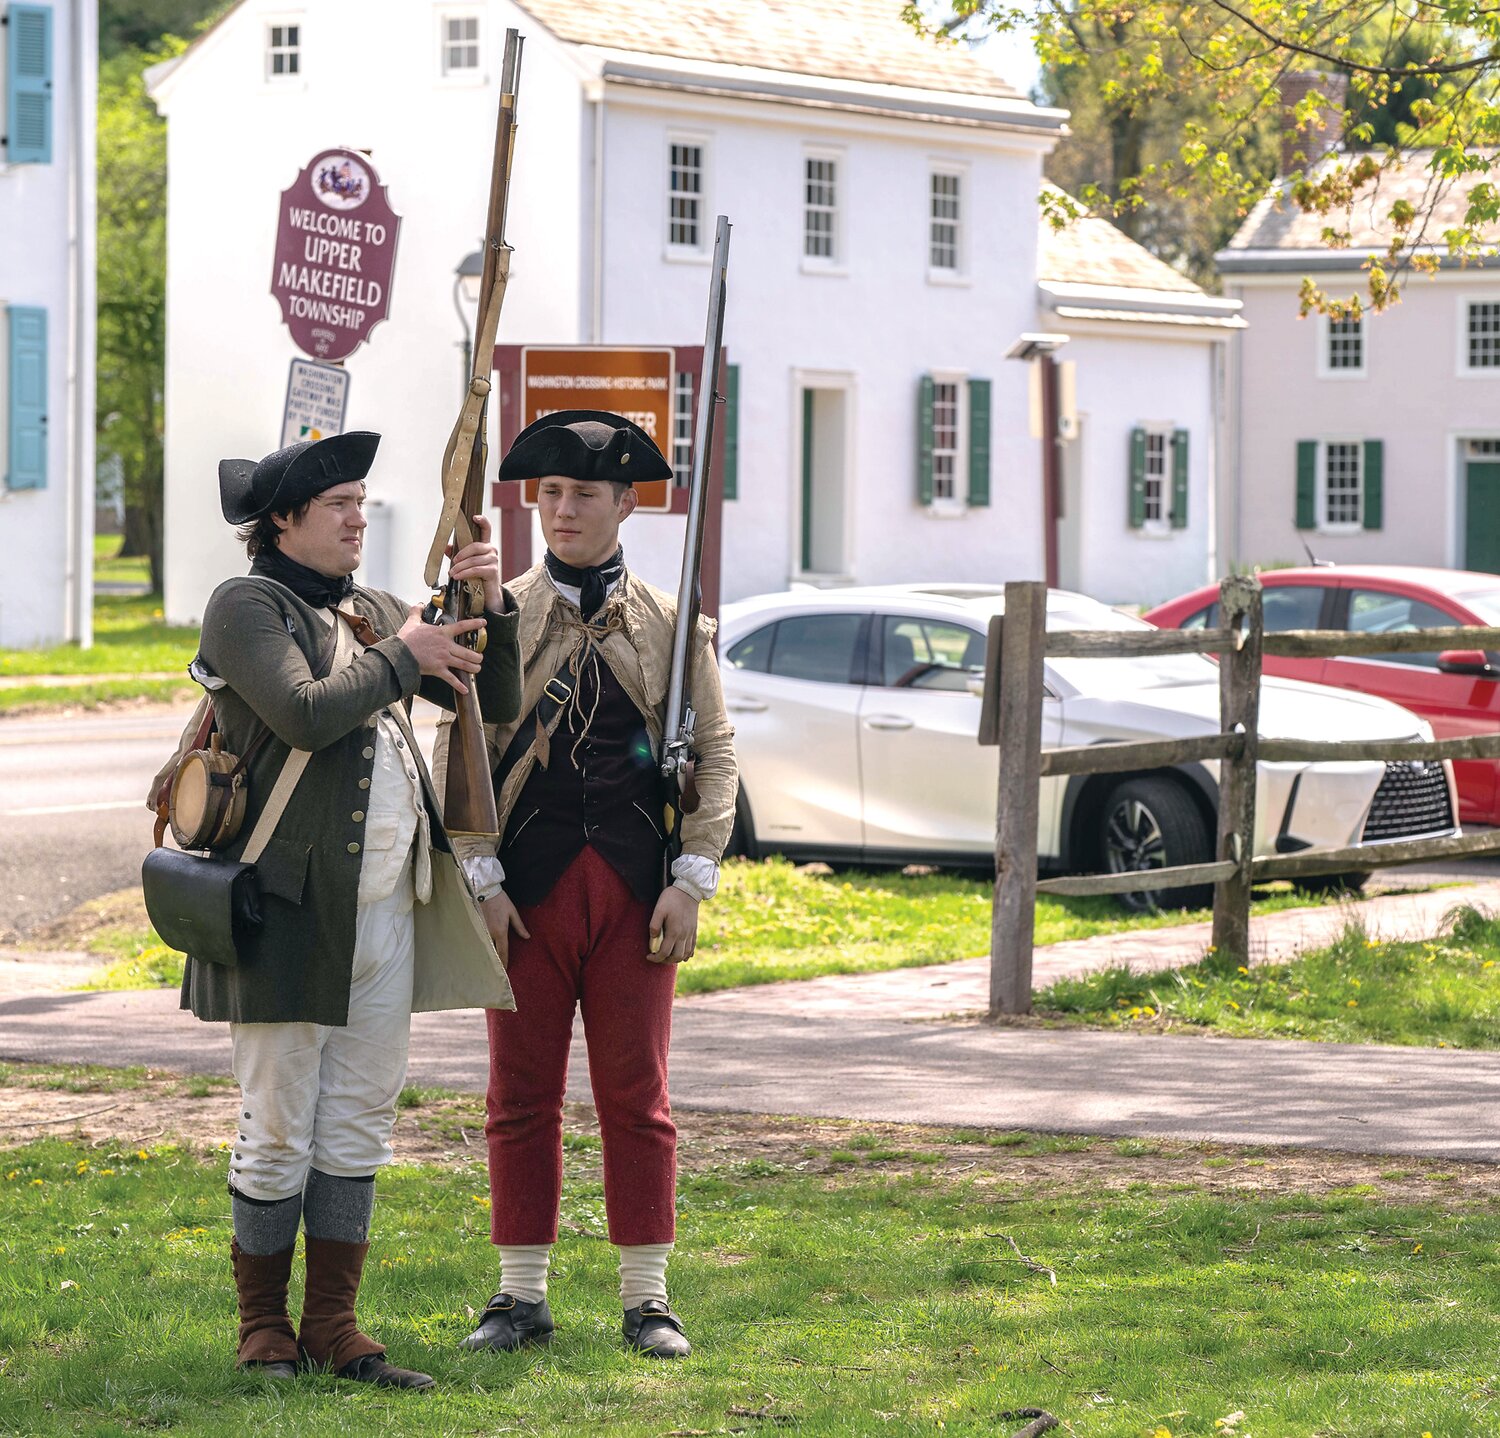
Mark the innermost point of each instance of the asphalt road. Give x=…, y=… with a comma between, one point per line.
x=73, y=820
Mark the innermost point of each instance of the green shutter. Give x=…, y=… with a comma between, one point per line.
x=979, y=441
x=1179, y=479
x=1307, y=484
x=731, y=431
x=1137, y=478
x=924, y=440
x=807, y=479
x=1374, y=478
x=26, y=460
x=28, y=85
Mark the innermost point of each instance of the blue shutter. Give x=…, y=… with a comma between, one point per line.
x=27, y=388
x=979, y=441
x=28, y=85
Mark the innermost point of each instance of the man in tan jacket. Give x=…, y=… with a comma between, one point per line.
x=594, y=920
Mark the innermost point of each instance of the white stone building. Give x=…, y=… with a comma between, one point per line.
x=49, y=76
x=884, y=196
x=1370, y=440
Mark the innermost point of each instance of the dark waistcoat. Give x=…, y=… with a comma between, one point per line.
x=607, y=794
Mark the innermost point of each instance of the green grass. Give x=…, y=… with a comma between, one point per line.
x=109, y=568
x=773, y=921
x=849, y=1301
x=1442, y=992
x=130, y=636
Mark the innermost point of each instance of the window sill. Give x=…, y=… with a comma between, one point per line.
x=1157, y=529
x=824, y=267
x=463, y=80
x=953, y=279
x=946, y=509
x=1336, y=529
x=681, y=255
x=279, y=84
x=815, y=579
x=1487, y=372
x=1360, y=373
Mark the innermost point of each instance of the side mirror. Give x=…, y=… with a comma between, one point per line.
x=1466, y=661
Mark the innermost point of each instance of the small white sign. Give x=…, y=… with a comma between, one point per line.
x=317, y=398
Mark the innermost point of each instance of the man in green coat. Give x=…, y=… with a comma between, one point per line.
x=367, y=913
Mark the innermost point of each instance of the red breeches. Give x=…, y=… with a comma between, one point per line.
x=588, y=946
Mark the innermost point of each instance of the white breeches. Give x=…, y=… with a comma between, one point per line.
x=312, y=1096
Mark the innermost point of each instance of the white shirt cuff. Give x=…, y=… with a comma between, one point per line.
x=696, y=876
x=486, y=876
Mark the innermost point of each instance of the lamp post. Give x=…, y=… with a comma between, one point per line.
x=466, y=299
x=1042, y=348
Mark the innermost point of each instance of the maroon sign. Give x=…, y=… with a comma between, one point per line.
x=335, y=254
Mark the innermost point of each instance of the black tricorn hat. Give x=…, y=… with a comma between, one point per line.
x=249, y=488
x=587, y=444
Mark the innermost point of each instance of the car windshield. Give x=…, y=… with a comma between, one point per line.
x=1114, y=676
x=1485, y=603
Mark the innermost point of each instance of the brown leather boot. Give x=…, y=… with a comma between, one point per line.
x=267, y=1342
x=330, y=1337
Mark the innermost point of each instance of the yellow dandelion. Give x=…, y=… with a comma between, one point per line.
x=1416, y=1248
x=1233, y=1005
x=481, y=1199
x=1242, y=969
x=141, y=1155
x=60, y=1249
x=1489, y=964
x=1356, y=983
x=11, y=1175
x=1352, y=1004
x=38, y=1182
x=83, y=1166
x=107, y=1172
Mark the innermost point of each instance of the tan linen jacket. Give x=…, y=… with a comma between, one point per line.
x=639, y=653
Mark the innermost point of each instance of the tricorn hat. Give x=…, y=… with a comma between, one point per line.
x=586, y=444
x=249, y=488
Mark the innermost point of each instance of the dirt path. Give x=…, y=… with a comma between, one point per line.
x=133, y=1109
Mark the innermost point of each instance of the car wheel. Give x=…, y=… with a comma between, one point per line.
x=1154, y=824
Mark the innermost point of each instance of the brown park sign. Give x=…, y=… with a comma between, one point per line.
x=335, y=254
x=636, y=383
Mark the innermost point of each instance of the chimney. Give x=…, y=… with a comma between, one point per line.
x=1303, y=146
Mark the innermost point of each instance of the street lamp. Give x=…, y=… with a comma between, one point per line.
x=466, y=298
x=1042, y=348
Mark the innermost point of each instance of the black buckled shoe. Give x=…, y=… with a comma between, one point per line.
x=372, y=1368
x=508, y=1323
x=656, y=1331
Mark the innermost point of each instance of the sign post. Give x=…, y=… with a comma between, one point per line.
x=317, y=399
x=335, y=254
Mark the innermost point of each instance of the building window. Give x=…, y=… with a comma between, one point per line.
x=682, y=430
x=460, y=44
x=1484, y=334
x=945, y=441
x=1342, y=486
x=820, y=208
x=944, y=222
x=686, y=163
x=1346, y=345
x=283, y=51
x=1155, y=477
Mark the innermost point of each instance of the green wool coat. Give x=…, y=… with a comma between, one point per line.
x=265, y=644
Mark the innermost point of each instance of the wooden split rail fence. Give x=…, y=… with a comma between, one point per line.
x=1012, y=718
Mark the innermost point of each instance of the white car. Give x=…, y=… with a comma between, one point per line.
x=856, y=713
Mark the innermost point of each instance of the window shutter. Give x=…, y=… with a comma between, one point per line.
x=979, y=441
x=1179, y=479
x=731, y=431
x=27, y=460
x=28, y=85
x=1373, y=510
x=924, y=440
x=1307, y=484
x=1137, y=478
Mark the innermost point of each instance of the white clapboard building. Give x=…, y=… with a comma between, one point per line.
x=48, y=73
x=883, y=190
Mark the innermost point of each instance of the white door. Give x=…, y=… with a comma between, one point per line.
x=789, y=688
x=928, y=785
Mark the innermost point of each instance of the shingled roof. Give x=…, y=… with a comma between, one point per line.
x=1278, y=233
x=865, y=40
x=1091, y=251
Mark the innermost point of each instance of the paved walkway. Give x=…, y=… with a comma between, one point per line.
x=880, y=1047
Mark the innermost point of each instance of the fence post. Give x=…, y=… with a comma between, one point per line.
x=1022, y=647
x=1239, y=713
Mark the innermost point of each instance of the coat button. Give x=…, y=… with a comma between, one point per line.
x=367, y=752
x=354, y=848
x=372, y=721
x=364, y=783
x=358, y=816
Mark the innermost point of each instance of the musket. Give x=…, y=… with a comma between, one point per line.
x=677, y=756
x=469, y=797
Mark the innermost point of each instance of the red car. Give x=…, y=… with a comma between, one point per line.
x=1457, y=691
